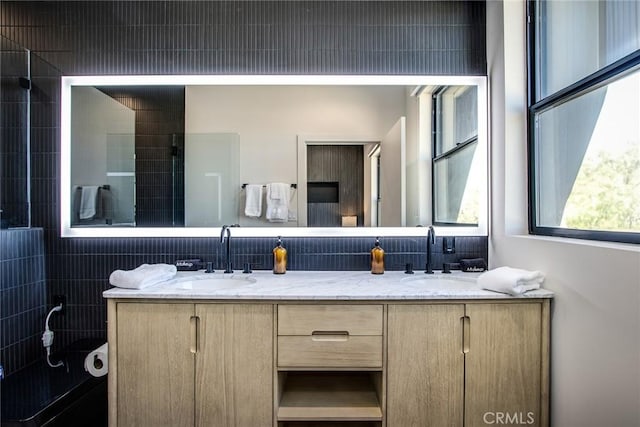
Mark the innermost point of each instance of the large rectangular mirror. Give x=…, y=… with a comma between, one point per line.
x=279, y=155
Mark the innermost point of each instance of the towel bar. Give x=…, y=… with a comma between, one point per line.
x=264, y=186
x=104, y=187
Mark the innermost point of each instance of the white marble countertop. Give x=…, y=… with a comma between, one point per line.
x=319, y=285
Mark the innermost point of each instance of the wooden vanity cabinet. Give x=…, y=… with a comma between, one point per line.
x=151, y=367
x=468, y=364
x=234, y=365
x=425, y=365
x=506, y=367
x=187, y=364
x=394, y=364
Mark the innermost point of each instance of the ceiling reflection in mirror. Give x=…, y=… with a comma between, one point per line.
x=285, y=155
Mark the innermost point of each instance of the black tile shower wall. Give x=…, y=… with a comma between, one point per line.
x=209, y=37
x=22, y=297
x=45, y=146
x=13, y=136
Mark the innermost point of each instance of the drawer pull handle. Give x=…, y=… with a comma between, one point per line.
x=194, y=320
x=329, y=335
x=466, y=334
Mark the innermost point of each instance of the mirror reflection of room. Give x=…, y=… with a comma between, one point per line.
x=316, y=155
x=335, y=185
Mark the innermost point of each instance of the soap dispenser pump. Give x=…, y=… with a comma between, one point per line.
x=377, y=258
x=279, y=258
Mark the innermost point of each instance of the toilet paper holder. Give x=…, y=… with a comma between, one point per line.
x=97, y=361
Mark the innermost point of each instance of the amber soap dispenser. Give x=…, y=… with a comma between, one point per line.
x=377, y=258
x=279, y=258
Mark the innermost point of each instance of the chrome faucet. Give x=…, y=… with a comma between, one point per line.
x=225, y=233
x=431, y=240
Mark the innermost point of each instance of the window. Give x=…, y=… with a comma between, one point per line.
x=584, y=119
x=457, y=170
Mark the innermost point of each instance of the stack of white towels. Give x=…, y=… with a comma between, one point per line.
x=142, y=277
x=512, y=281
x=278, y=196
x=278, y=202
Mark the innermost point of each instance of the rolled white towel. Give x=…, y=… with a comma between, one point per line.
x=143, y=276
x=508, y=280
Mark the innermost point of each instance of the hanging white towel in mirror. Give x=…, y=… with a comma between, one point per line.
x=278, y=202
x=88, y=201
x=253, y=203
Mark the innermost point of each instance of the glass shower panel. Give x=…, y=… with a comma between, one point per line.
x=212, y=179
x=121, y=177
x=14, y=135
x=103, y=160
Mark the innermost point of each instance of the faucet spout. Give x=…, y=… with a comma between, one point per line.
x=431, y=240
x=225, y=234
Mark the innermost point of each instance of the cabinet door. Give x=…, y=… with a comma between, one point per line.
x=234, y=365
x=503, y=364
x=155, y=365
x=425, y=367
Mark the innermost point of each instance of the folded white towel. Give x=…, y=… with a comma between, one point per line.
x=278, y=191
x=510, y=280
x=253, y=204
x=88, y=200
x=278, y=202
x=143, y=276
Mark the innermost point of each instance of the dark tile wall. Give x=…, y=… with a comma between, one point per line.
x=45, y=147
x=23, y=290
x=209, y=37
x=22, y=297
x=13, y=135
x=281, y=37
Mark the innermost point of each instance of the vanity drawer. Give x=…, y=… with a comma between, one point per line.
x=308, y=319
x=330, y=351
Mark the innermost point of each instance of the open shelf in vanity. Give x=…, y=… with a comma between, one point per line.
x=329, y=424
x=330, y=396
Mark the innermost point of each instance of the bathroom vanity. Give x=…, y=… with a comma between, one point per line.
x=327, y=348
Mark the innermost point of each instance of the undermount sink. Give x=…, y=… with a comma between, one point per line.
x=200, y=283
